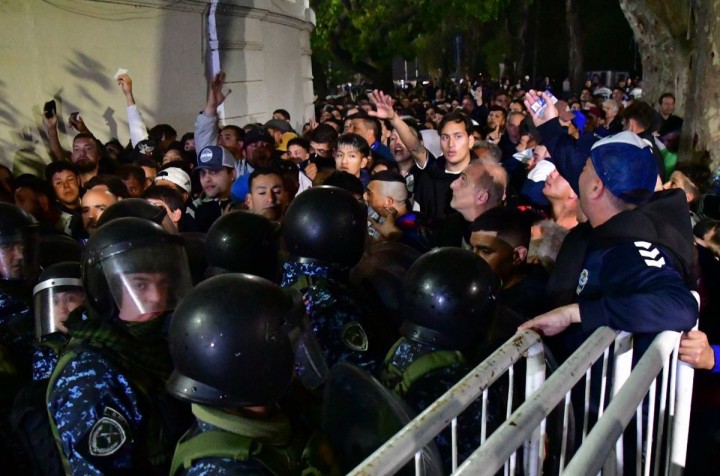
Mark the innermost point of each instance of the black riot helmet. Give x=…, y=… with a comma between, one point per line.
x=243, y=242
x=58, y=291
x=447, y=298
x=230, y=343
x=132, y=266
x=137, y=207
x=18, y=244
x=326, y=224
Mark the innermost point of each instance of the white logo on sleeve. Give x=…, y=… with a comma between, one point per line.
x=582, y=281
x=650, y=253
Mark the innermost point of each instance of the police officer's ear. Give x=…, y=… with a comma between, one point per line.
x=519, y=255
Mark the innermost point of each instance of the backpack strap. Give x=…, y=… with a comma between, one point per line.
x=72, y=348
x=401, y=381
x=223, y=444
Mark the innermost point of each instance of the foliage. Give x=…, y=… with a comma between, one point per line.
x=365, y=35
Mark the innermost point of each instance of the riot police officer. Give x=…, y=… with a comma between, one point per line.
x=231, y=346
x=58, y=292
x=243, y=242
x=18, y=269
x=106, y=398
x=324, y=232
x=447, y=304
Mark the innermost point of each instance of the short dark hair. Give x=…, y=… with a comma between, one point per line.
x=172, y=198
x=324, y=134
x=345, y=181
x=36, y=184
x=264, y=171
x=59, y=166
x=355, y=141
x=457, y=117
x=283, y=113
x=112, y=182
x=510, y=224
x=300, y=142
x=146, y=161
x=239, y=131
x=162, y=130
x=388, y=176
x=520, y=102
x=642, y=113
x=666, y=95
x=372, y=123
x=135, y=171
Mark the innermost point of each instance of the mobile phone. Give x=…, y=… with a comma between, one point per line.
x=539, y=106
x=50, y=108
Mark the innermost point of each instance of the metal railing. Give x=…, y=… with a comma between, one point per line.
x=525, y=427
x=408, y=442
x=639, y=397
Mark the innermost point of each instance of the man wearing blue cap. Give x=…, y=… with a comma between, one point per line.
x=636, y=267
x=216, y=168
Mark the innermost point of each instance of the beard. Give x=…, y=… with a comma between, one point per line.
x=86, y=165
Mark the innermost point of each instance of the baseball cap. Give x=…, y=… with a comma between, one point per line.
x=177, y=176
x=278, y=124
x=286, y=137
x=214, y=157
x=626, y=165
x=579, y=120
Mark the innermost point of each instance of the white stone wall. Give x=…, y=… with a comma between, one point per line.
x=69, y=50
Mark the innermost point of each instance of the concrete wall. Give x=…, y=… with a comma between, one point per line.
x=69, y=50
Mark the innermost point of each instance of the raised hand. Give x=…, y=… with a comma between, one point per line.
x=550, y=112
x=384, y=104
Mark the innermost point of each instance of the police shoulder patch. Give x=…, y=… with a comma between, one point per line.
x=108, y=434
x=354, y=336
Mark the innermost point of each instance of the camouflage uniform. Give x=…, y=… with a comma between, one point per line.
x=45, y=355
x=336, y=317
x=431, y=385
x=106, y=398
x=16, y=339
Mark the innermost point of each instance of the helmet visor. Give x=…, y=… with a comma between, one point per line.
x=149, y=281
x=53, y=301
x=18, y=256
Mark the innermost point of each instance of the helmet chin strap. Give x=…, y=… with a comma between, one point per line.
x=426, y=336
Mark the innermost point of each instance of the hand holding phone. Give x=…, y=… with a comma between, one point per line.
x=50, y=109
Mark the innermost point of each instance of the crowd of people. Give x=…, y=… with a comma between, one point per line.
x=179, y=304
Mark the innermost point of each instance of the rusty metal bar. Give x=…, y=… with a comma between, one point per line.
x=606, y=432
x=401, y=448
x=491, y=456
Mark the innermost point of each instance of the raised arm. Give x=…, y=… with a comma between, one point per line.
x=138, y=129
x=206, y=131
x=384, y=105
x=56, y=150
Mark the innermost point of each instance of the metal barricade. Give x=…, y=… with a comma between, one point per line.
x=407, y=443
x=661, y=435
x=639, y=398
